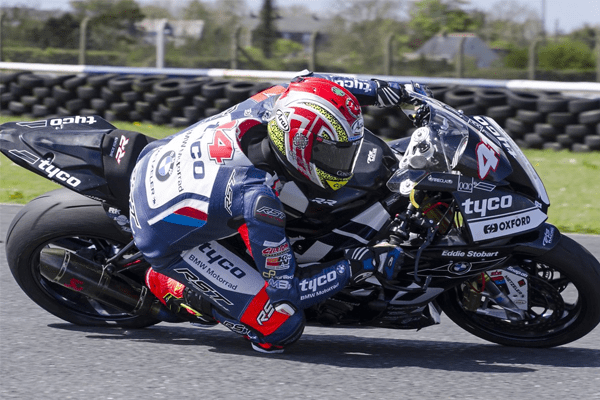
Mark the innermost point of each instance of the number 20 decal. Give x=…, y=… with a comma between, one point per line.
x=487, y=159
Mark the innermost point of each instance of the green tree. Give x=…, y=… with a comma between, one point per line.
x=155, y=12
x=566, y=54
x=219, y=24
x=197, y=10
x=20, y=28
x=516, y=57
x=266, y=32
x=112, y=23
x=510, y=24
x=587, y=35
x=358, y=34
x=430, y=17
x=61, y=32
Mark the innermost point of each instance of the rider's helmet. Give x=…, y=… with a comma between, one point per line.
x=317, y=130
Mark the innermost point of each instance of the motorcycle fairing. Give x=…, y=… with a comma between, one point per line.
x=522, y=174
x=71, y=158
x=359, y=231
x=490, y=215
x=85, y=154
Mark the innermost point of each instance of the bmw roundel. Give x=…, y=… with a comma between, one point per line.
x=460, y=268
x=165, y=166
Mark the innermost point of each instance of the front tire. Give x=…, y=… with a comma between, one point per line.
x=68, y=220
x=565, y=284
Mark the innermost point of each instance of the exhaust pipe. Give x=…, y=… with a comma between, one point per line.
x=91, y=279
x=88, y=278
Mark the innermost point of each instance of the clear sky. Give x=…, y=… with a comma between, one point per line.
x=568, y=14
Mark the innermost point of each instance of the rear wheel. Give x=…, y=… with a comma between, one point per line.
x=64, y=219
x=564, y=302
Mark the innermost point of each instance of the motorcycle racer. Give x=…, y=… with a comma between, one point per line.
x=222, y=177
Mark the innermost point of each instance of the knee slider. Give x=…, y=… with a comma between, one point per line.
x=269, y=210
x=289, y=332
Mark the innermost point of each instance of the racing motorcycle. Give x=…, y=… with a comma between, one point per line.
x=458, y=196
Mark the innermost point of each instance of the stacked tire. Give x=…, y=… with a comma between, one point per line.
x=36, y=96
x=555, y=122
x=533, y=119
x=389, y=123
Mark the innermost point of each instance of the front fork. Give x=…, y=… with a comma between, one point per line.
x=506, y=288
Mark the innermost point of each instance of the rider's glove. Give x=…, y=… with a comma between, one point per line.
x=381, y=260
x=390, y=94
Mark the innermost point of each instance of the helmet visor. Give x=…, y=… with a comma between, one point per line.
x=336, y=158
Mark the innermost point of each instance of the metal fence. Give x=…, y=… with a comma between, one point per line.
x=390, y=62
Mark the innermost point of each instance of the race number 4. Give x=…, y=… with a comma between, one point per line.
x=221, y=147
x=487, y=159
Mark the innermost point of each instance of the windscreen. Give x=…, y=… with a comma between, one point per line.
x=436, y=147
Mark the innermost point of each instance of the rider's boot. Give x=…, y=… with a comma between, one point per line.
x=180, y=300
x=274, y=343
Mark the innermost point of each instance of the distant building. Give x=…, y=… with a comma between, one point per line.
x=176, y=31
x=291, y=24
x=446, y=47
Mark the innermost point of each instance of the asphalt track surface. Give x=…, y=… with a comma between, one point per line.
x=42, y=357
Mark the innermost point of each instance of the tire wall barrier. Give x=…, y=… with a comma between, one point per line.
x=534, y=119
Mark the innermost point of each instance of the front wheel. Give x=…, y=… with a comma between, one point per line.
x=66, y=220
x=564, y=301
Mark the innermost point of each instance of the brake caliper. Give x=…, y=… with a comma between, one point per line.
x=513, y=281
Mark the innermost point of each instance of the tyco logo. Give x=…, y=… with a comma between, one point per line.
x=314, y=283
x=59, y=122
x=485, y=205
x=46, y=166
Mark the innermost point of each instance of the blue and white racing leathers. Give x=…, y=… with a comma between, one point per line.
x=196, y=187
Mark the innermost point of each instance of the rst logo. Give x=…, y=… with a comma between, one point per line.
x=483, y=206
x=266, y=313
x=51, y=171
x=237, y=328
x=203, y=286
x=228, y=201
x=271, y=212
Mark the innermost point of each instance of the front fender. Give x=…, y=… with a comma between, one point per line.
x=547, y=238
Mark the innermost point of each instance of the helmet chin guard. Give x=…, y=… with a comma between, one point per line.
x=317, y=129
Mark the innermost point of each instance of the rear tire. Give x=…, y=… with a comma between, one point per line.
x=563, y=272
x=65, y=219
